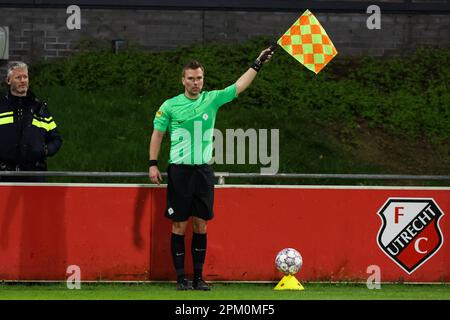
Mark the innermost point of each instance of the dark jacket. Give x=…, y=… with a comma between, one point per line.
x=28, y=133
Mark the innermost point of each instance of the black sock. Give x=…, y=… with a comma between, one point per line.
x=198, y=253
x=177, y=247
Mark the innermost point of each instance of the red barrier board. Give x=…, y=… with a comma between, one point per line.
x=118, y=232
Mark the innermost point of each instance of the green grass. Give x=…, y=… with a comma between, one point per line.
x=223, y=291
x=405, y=96
x=110, y=131
x=373, y=116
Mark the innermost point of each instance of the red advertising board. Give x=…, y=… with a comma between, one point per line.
x=118, y=232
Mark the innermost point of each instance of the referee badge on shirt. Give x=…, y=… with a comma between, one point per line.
x=205, y=116
x=159, y=113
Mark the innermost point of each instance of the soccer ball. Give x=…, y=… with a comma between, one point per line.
x=288, y=261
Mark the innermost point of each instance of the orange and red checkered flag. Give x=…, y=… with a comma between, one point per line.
x=307, y=41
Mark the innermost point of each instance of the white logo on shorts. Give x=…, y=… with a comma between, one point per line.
x=170, y=211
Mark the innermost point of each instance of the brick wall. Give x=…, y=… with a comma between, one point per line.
x=41, y=33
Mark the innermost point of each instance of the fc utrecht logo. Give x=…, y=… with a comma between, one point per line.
x=410, y=233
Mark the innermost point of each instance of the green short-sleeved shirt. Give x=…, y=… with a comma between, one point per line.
x=191, y=124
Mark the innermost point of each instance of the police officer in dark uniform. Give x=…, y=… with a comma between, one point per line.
x=28, y=133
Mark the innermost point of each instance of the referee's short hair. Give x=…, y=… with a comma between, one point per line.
x=193, y=64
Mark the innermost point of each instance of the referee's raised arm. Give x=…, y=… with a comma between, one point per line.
x=247, y=78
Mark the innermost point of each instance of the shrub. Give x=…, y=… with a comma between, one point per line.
x=404, y=95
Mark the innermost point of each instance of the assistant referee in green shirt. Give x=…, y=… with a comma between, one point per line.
x=189, y=118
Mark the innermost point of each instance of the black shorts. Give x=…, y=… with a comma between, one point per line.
x=190, y=192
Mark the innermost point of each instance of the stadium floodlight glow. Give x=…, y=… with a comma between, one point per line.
x=4, y=43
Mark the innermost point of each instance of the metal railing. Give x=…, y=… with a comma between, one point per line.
x=222, y=175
